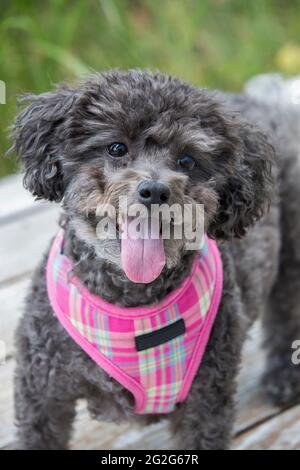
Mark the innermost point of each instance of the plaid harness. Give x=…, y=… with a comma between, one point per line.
x=154, y=351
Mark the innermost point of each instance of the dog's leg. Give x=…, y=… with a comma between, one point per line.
x=205, y=419
x=282, y=319
x=44, y=407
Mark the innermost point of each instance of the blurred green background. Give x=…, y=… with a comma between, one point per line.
x=213, y=43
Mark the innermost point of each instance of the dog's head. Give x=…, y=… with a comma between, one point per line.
x=153, y=140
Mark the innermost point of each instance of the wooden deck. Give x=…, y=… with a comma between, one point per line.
x=25, y=229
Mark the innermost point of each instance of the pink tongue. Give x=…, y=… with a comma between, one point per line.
x=142, y=255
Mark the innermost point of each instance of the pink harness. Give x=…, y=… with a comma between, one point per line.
x=154, y=351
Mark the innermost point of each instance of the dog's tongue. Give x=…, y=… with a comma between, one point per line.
x=142, y=254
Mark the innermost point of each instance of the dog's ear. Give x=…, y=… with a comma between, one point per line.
x=247, y=192
x=38, y=134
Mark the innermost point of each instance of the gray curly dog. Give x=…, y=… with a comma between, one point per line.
x=247, y=175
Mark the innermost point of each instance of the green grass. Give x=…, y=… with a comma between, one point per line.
x=214, y=43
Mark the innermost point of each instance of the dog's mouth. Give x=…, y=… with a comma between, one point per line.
x=142, y=250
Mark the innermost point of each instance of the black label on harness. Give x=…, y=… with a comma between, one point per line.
x=161, y=336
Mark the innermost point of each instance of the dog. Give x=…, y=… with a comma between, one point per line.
x=107, y=137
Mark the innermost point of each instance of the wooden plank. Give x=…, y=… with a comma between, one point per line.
x=121, y=436
x=95, y=435
x=22, y=242
x=252, y=405
x=14, y=199
x=13, y=196
x=7, y=429
x=155, y=436
x=279, y=433
x=11, y=301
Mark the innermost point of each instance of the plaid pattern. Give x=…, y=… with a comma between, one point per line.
x=161, y=370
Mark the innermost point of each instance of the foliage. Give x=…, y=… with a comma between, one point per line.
x=213, y=43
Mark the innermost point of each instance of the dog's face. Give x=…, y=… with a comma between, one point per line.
x=144, y=139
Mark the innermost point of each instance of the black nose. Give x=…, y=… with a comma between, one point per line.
x=153, y=192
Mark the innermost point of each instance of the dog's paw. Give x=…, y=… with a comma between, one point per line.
x=282, y=384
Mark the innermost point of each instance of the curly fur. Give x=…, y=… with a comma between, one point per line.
x=61, y=139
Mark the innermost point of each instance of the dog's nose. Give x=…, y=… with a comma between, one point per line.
x=153, y=192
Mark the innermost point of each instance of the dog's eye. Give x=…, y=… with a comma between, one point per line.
x=186, y=162
x=117, y=149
